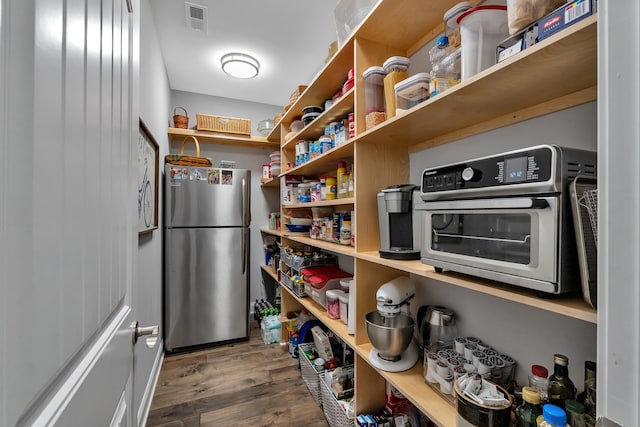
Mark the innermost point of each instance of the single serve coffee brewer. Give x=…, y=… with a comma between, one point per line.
x=400, y=234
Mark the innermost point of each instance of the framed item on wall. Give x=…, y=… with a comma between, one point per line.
x=148, y=172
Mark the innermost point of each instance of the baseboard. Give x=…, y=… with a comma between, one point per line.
x=147, y=398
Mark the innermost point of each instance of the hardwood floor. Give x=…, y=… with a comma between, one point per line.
x=243, y=384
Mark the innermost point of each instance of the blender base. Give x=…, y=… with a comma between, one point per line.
x=406, y=362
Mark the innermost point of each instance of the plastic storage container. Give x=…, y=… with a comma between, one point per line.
x=344, y=307
x=333, y=303
x=411, y=92
x=482, y=28
x=374, y=96
x=318, y=280
x=395, y=69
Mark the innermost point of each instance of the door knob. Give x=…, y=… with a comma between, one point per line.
x=151, y=332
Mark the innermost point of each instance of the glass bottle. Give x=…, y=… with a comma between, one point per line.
x=561, y=388
x=575, y=413
x=588, y=395
x=538, y=380
x=530, y=409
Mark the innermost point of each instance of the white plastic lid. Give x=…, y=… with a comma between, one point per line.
x=344, y=298
x=375, y=70
x=345, y=283
x=399, y=62
x=333, y=294
x=451, y=15
x=409, y=85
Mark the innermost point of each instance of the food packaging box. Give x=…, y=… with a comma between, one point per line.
x=318, y=280
x=323, y=345
x=411, y=92
x=517, y=43
x=564, y=16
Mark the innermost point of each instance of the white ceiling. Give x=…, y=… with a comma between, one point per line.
x=290, y=39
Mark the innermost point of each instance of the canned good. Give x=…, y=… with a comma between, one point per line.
x=332, y=187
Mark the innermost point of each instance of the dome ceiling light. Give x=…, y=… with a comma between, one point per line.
x=240, y=65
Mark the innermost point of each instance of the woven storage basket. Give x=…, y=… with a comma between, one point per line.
x=333, y=412
x=180, y=121
x=223, y=124
x=309, y=375
x=296, y=93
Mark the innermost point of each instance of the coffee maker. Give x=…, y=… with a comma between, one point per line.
x=399, y=222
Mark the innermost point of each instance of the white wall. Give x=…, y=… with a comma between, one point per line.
x=527, y=334
x=205, y=104
x=154, y=107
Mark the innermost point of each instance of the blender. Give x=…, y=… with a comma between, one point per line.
x=390, y=328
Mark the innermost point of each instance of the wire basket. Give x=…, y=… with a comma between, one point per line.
x=333, y=411
x=309, y=375
x=589, y=200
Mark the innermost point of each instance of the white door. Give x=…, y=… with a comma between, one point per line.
x=68, y=211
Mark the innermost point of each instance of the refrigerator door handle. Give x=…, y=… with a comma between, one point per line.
x=246, y=213
x=245, y=236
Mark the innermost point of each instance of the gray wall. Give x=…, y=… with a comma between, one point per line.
x=154, y=107
x=527, y=334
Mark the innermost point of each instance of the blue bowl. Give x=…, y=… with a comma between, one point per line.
x=298, y=228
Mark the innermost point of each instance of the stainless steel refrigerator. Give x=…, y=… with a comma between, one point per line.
x=206, y=255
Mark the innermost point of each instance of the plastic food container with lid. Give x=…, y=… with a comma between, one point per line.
x=395, y=69
x=333, y=303
x=374, y=96
x=411, y=92
x=482, y=28
x=344, y=307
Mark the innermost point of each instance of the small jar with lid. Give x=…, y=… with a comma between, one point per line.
x=553, y=416
x=374, y=96
x=575, y=413
x=333, y=303
x=538, y=380
x=395, y=69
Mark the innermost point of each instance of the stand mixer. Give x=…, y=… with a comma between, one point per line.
x=390, y=328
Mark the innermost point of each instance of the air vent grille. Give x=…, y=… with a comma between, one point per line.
x=196, y=16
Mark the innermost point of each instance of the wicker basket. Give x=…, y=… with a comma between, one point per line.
x=309, y=375
x=180, y=121
x=213, y=123
x=333, y=412
x=296, y=93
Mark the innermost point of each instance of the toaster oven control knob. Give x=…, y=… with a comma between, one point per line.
x=468, y=174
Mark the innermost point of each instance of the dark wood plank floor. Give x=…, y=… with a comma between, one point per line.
x=243, y=384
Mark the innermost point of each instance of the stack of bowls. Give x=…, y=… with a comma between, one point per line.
x=275, y=163
x=310, y=113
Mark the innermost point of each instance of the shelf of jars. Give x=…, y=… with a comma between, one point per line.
x=320, y=244
x=555, y=74
x=411, y=383
x=269, y=270
x=573, y=307
x=326, y=161
x=339, y=110
x=320, y=313
x=325, y=84
x=272, y=232
x=224, y=139
x=335, y=202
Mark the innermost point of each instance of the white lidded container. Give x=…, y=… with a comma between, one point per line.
x=411, y=92
x=482, y=28
x=344, y=307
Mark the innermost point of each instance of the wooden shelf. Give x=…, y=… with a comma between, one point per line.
x=336, y=202
x=325, y=84
x=320, y=244
x=411, y=383
x=326, y=162
x=274, y=135
x=555, y=74
x=271, y=183
x=225, y=139
x=336, y=325
x=270, y=231
x=270, y=271
x=570, y=307
x=315, y=129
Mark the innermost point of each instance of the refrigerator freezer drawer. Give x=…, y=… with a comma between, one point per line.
x=206, y=289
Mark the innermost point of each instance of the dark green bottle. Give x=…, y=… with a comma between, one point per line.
x=588, y=395
x=561, y=388
x=530, y=409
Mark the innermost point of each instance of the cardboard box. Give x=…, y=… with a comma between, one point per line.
x=564, y=17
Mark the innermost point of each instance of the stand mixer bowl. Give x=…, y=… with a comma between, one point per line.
x=391, y=335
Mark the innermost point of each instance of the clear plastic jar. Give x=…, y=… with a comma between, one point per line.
x=538, y=380
x=333, y=304
x=374, y=96
x=553, y=416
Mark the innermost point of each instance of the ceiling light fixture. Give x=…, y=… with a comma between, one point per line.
x=240, y=65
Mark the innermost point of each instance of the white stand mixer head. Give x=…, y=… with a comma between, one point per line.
x=393, y=297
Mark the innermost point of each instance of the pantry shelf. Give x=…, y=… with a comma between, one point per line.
x=271, y=183
x=563, y=67
x=269, y=270
x=321, y=244
x=326, y=161
x=411, y=384
x=335, y=202
x=569, y=307
x=179, y=135
x=270, y=231
x=337, y=326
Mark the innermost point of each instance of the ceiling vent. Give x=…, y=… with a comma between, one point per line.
x=196, y=17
